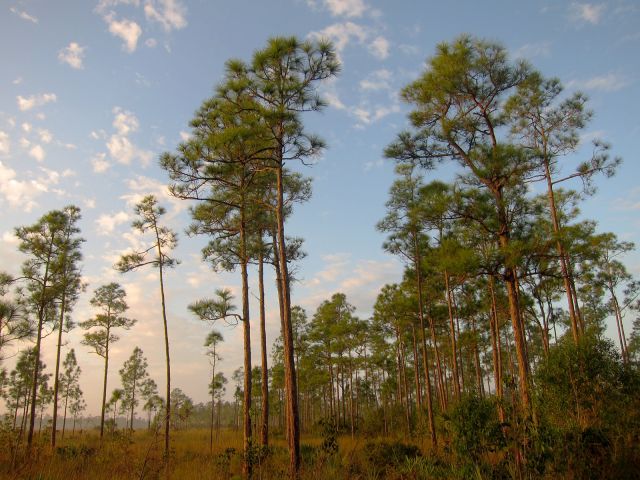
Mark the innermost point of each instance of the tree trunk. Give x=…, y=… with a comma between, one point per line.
x=561, y=252
x=452, y=333
x=264, y=431
x=64, y=417
x=167, y=416
x=495, y=344
x=56, y=382
x=104, y=385
x=425, y=359
x=36, y=353
x=246, y=324
x=287, y=334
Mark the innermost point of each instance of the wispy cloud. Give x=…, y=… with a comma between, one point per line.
x=5, y=143
x=37, y=152
x=99, y=163
x=22, y=194
x=378, y=80
x=531, y=50
x=72, y=55
x=609, y=82
x=379, y=47
x=107, y=223
x=586, y=12
x=345, y=8
x=127, y=30
x=23, y=15
x=120, y=147
x=27, y=103
x=342, y=34
x=171, y=14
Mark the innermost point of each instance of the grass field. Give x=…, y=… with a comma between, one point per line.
x=140, y=456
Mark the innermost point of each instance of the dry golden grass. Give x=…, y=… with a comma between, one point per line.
x=140, y=456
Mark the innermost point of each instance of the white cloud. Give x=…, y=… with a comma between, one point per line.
x=408, y=49
x=24, y=143
x=169, y=13
x=17, y=81
x=127, y=30
x=346, y=8
x=610, y=82
x=23, y=193
x=100, y=165
x=379, y=47
x=531, y=50
x=45, y=135
x=73, y=55
x=587, y=12
x=124, y=121
x=378, y=80
x=341, y=34
x=367, y=116
x=107, y=223
x=23, y=15
x=27, y=103
x=97, y=135
x=37, y=152
x=26, y=127
x=151, y=42
x=121, y=149
x=140, y=186
x=333, y=99
x=90, y=202
x=5, y=143
x=104, y=5
x=185, y=136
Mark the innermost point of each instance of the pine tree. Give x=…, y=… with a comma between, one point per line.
x=110, y=300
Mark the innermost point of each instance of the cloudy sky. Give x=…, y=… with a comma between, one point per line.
x=93, y=91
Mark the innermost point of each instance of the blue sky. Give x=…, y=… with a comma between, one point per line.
x=93, y=91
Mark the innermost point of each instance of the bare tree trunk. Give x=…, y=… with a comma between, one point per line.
x=56, y=382
x=36, y=352
x=425, y=359
x=287, y=334
x=452, y=333
x=104, y=384
x=495, y=341
x=264, y=431
x=167, y=416
x=246, y=324
x=64, y=417
x=562, y=255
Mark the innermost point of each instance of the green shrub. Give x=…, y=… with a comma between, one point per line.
x=474, y=428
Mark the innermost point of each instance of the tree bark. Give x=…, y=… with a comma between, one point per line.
x=264, y=431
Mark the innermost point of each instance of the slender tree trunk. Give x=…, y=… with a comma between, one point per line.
x=561, y=252
x=213, y=391
x=619, y=324
x=246, y=324
x=167, y=416
x=497, y=354
x=416, y=368
x=104, y=384
x=56, y=382
x=425, y=358
x=511, y=281
x=287, y=334
x=36, y=352
x=64, y=417
x=452, y=332
x=264, y=431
